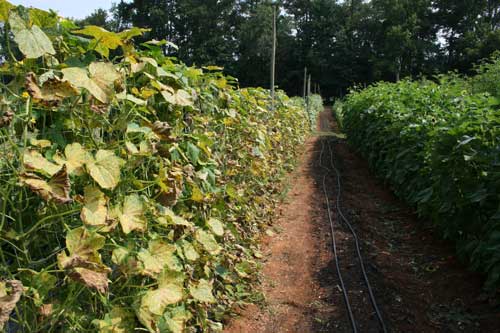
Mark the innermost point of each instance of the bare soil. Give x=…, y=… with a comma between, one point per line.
x=419, y=284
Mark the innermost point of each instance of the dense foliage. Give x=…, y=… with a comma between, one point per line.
x=341, y=42
x=132, y=186
x=438, y=145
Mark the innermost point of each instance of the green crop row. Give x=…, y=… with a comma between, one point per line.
x=438, y=145
x=132, y=187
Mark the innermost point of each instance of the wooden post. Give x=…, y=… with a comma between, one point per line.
x=273, y=58
x=305, y=83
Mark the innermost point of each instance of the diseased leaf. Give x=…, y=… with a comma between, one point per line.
x=131, y=214
x=154, y=302
x=119, y=320
x=202, y=291
x=216, y=226
x=34, y=161
x=32, y=42
x=8, y=301
x=105, y=169
x=167, y=217
x=84, y=262
x=189, y=251
x=99, y=79
x=52, y=91
x=158, y=256
x=76, y=158
x=95, y=211
x=56, y=189
x=179, y=97
x=208, y=241
x=175, y=320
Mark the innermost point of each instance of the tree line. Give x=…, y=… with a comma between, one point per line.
x=342, y=43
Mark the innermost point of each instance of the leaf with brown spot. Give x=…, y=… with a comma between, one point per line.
x=8, y=301
x=84, y=262
x=56, y=189
x=52, y=91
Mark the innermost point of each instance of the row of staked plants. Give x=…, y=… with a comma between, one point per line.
x=438, y=144
x=132, y=187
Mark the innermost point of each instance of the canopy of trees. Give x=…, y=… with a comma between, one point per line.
x=342, y=43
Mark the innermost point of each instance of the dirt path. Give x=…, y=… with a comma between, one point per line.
x=418, y=283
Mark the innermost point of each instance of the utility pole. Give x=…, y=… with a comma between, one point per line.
x=273, y=56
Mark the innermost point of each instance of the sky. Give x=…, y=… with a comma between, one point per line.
x=67, y=8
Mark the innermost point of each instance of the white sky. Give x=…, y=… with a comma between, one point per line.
x=67, y=8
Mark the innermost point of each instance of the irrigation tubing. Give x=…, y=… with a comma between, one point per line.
x=354, y=235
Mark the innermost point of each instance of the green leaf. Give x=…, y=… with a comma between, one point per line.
x=104, y=40
x=32, y=42
x=5, y=8
x=105, y=169
x=202, y=292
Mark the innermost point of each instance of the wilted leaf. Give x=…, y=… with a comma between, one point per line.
x=105, y=169
x=9, y=300
x=158, y=256
x=208, y=241
x=95, y=211
x=99, y=80
x=131, y=214
x=56, y=189
x=216, y=226
x=84, y=262
x=202, y=292
x=34, y=161
x=6, y=118
x=52, y=91
x=32, y=42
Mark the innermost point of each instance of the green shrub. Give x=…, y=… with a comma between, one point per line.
x=438, y=145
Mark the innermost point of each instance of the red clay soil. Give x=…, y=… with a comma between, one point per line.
x=418, y=283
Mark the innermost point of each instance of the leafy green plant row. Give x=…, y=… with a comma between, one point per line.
x=132, y=187
x=438, y=145
x=312, y=106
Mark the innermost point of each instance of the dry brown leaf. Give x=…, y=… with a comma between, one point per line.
x=56, y=189
x=8, y=302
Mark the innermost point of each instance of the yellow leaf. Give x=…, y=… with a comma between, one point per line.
x=104, y=40
x=105, y=169
x=202, y=292
x=131, y=214
x=34, y=161
x=95, y=211
x=158, y=256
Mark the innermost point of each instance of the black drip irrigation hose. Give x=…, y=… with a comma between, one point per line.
x=355, y=237
x=334, y=243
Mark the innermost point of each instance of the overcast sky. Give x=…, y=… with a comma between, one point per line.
x=67, y=8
